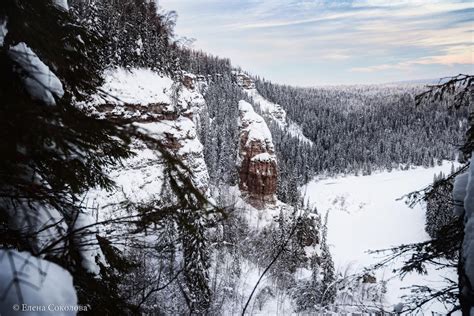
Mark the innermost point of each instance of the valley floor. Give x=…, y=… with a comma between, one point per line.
x=365, y=213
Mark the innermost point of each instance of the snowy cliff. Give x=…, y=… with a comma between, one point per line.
x=271, y=110
x=164, y=110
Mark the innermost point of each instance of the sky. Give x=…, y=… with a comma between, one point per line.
x=320, y=42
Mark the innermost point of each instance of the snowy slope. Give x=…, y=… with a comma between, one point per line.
x=280, y=301
x=136, y=86
x=277, y=114
x=271, y=110
x=364, y=214
x=274, y=110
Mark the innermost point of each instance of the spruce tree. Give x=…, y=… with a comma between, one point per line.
x=52, y=152
x=327, y=268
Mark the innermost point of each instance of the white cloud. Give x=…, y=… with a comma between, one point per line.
x=349, y=38
x=457, y=55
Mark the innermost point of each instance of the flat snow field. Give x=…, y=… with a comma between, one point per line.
x=364, y=214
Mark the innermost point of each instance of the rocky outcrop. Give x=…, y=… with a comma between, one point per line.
x=272, y=110
x=258, y=166
x=189, y=95
x=268, y=109
x=163, y=109
x=244, y=80
x=192, y=81
x=160, y=108
x=180, y=138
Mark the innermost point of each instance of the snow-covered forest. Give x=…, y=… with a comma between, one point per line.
x=140, y=176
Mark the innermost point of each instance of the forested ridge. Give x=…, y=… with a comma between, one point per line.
x=357, y=129
x=119, y=212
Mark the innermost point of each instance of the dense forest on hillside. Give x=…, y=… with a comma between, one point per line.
x=137, y=206
x=357, y=129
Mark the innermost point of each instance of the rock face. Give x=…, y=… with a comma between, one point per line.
x=258, y=166
x=160, y=108
x=244, y=80
x=189, y=96
x=267, y=108
x=180, y=137
x=165, y=110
